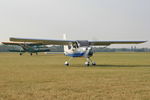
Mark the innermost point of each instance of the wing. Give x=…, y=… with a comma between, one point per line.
x=106, y=43
x=43, y=41
x=66, y=42
x=21, y=43
x=12, y=43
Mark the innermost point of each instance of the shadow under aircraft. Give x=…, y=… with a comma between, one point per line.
x=28, y=47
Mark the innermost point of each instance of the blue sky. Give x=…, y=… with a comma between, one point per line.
x=79, y=19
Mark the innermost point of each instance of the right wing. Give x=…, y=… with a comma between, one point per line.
x=21, y=43
x=107, y=43
x=43, y=41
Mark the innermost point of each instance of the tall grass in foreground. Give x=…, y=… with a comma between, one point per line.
x=117, y=76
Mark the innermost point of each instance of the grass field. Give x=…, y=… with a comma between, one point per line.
x=117, y=76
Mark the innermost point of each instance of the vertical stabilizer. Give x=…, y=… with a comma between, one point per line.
x=64, y=36
x=65, y=46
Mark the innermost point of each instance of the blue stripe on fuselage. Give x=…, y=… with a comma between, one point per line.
x=75, y=54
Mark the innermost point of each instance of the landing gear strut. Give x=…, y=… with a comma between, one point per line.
x=88, y=61
x=67, y=62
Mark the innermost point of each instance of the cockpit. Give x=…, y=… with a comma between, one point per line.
x=73, y=45
x=78, y=44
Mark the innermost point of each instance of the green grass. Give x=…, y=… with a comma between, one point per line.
x=117, y=76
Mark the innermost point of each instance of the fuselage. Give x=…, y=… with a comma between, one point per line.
x=79, y=52
x=34, y=49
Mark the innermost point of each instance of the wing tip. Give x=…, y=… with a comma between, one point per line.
x=4, y=42
x=144, y=41
x=11, y=38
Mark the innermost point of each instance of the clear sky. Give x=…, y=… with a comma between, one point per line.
x=79, y=19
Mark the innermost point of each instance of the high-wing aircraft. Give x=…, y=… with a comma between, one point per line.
x=28, y=47
x=76, y=48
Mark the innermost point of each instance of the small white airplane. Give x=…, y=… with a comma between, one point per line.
x=75, y=48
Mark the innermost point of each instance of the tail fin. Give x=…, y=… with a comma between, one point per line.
x=64, y=36
x=65, y=46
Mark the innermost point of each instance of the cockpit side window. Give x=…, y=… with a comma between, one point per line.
x=69, y=46
x=75, y=45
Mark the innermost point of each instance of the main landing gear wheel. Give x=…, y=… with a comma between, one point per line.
x=66, y=63
x=20, y=54
x=87, y=63
x=94, y=64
